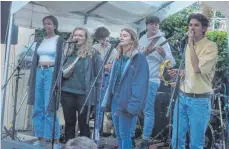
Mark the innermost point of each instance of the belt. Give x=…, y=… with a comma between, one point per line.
x=193, y=95
x=45, y=66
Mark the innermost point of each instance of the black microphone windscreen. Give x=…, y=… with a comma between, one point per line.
x=117, y=43
x=185, y=36
x=72, y=41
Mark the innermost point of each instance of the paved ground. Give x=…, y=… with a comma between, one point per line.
x=105, y=142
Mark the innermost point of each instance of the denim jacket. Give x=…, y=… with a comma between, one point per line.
x=132, y=91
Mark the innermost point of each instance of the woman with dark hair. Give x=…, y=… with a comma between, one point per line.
x=43, y=76
x=83, y=62
x=127, y=88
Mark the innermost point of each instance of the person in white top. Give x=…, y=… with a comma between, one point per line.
x=44, y=72
x=155, y=58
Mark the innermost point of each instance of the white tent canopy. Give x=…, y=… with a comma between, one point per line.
x=112, y=14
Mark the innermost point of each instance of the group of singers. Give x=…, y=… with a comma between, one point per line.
x=127, y=85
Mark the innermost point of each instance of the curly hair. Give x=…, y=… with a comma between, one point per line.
x=101, y=33
x=200, y=17
x=87, y=49
x=134, y=38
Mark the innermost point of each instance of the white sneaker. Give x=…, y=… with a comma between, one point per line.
x=39, y=144
x=57, y=146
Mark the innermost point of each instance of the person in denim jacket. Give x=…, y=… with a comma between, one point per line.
x=127, y=88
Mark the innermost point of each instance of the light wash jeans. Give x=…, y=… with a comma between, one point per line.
x=43, y=119
x=124, y=126
x=194, y=114
x=149, y=113
x=99, y=117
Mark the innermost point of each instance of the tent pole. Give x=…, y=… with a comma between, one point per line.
x=6, y=66
x=227, y=29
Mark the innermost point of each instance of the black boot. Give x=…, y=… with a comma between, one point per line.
x=144, y=144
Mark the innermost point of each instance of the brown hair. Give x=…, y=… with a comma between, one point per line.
x=101, y=33
x=152, y=19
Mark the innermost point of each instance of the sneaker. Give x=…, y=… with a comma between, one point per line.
x=144, y=145
x=57, y=146
x=39, y=144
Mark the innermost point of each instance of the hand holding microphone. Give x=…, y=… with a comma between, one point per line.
x=190, y=36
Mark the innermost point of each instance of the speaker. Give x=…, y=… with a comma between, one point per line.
x=5, y=11
x=161, y=106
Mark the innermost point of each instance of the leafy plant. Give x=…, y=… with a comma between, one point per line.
x=220, y=38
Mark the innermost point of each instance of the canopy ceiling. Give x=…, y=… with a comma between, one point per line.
x=112, y=14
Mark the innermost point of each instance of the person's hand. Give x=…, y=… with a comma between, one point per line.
x=149, y=48
x=107, y=68
x=173, y=72
x=161, y=51
x=126, y=112
x=190, y=34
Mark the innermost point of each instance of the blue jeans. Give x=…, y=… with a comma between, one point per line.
x=41, y=117
x=124, y=126
x=149, y=115
x=194, y=114
x=98, y=111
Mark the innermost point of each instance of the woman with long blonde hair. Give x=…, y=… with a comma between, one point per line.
x=127, y=89
x=85, y=63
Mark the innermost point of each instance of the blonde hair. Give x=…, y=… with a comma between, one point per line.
x=134, y=38
x=85, y=50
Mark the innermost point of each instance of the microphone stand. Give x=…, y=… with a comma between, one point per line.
x=55, y=90
x=18, y=68
x=96, y=125
x=29, y=49
x=177, y=85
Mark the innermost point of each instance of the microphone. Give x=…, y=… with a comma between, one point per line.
x=76, y=41
x=39, y=31
x=116, y=44
x=185, y=36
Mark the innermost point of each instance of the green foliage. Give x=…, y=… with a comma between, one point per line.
x=178, y=24
x=179, y=21
x=220, y=38
x=219, y=14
